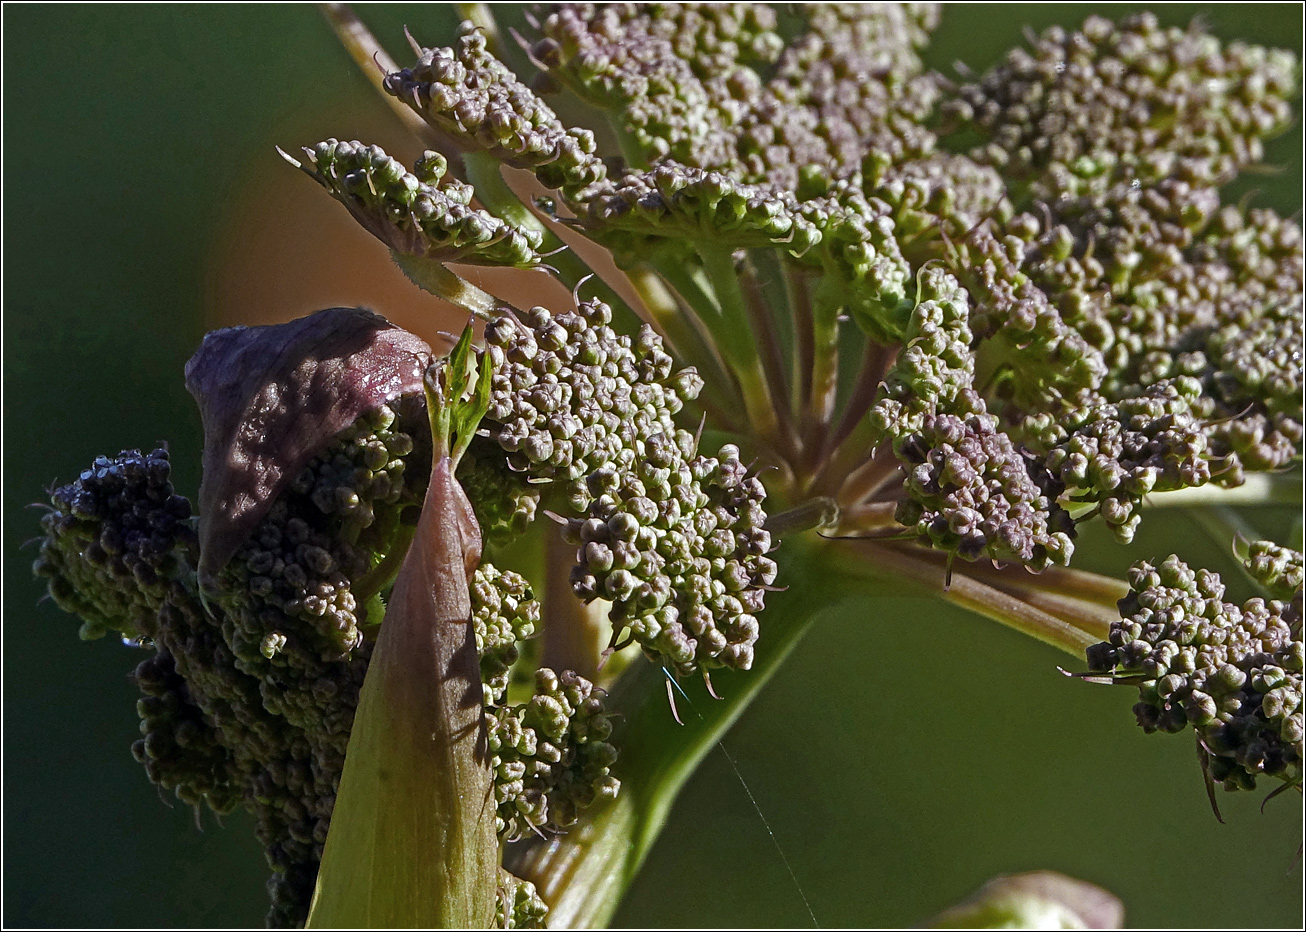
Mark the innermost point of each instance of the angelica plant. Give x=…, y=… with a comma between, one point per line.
x=870, y=327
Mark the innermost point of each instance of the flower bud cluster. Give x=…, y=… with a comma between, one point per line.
x=1115, y=454
x=679, y=550
x=505, y=502
x=247, y=700
x=1279, y=569
x=466, y=92
x=299, y=566
x=1134, y=339
x=249, y=696
x=504, y=613
x=570, y=395
x=672, y=539
x=860, y=258
x=550, y=755
x=676, y=202
x=941, y=193
x=1160, y=282
x=935, y=369
x=115, y=538
x=178, y=748
x=518, y=905
x=971, y=492
x=1029, y=353
x=271, y=741
x=419, y=213
x=1234, y=674
x=1108, y=103
x=716, y=87
x=969, y=489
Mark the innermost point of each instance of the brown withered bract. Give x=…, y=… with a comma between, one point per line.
x=271, y=398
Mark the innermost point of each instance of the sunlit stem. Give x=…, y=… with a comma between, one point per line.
x=485, y=173
x=687, y=344
x=864, y=519
x=825, y=362
x=431, y=275
x=679, y=331
x=1064, y=624
x=864, y=481
x=372, y=60
x=734, y=334
x=574, y=633
x=1258, y=489
x=695, y=296
x=875, y=363
x=851, y=454
x=800, y=303
x=814, y=513
x=1080, y=585
x=768, y=352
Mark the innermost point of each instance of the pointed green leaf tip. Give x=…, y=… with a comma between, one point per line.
x=412, y=841
x=457, y=397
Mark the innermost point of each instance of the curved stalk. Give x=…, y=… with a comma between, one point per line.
x=734, y=334
x=1066, y=624
x=582, y=874
x=374, y=62
x=485, y=173
x=771, y=357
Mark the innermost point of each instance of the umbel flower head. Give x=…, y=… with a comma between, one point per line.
x=942, y=325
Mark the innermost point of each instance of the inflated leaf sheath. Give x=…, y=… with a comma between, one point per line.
x=271, y=398
x=412, y=841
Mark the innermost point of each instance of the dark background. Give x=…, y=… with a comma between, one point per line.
x=144, y=204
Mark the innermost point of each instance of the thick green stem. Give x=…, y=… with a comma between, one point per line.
x=583, y=874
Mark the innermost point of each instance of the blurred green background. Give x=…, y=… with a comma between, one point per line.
x=130, y=134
